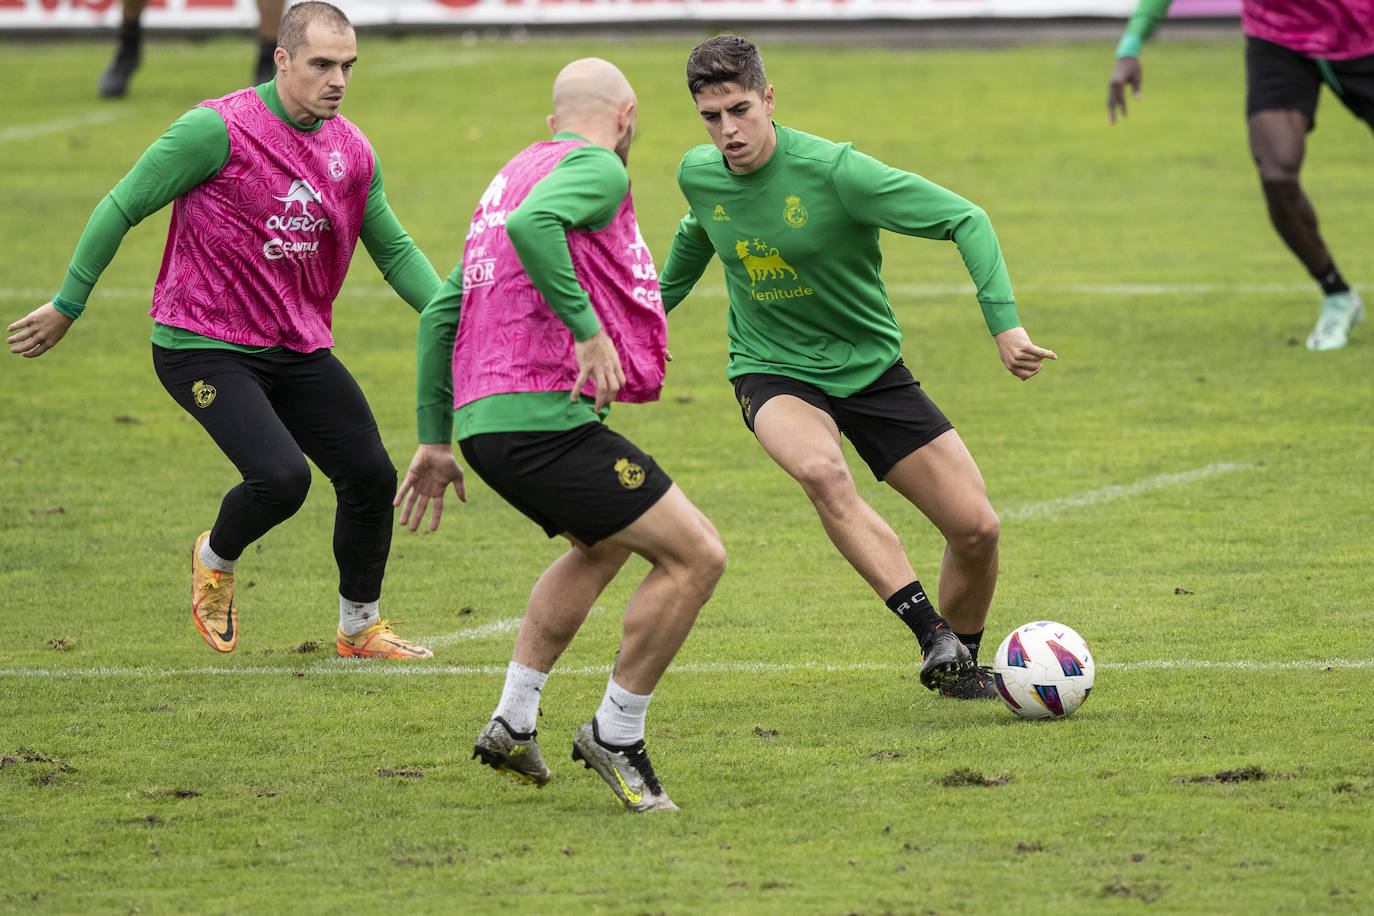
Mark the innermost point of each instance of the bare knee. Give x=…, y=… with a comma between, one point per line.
x=978, y=539
x=827, y=482
x=703, y=560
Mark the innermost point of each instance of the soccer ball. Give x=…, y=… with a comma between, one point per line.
x=1043, y=670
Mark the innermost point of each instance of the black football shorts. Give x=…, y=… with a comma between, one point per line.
x=1281, y=79
x=885, y=422
x=587, y=481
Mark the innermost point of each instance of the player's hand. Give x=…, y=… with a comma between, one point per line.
x=1021, y=357
x=598, y=361
x=1126, y=73
x=38, y=331
x=431, y=471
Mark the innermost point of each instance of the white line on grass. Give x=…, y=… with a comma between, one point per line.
x=372, y=669
x=495, y=628
x=1054, y=507
x=29, y=131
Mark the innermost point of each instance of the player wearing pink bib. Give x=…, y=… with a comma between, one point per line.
x=1292, y=48
x=272, y=192
x=553, y=314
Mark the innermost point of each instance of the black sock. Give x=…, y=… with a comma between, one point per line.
x=971, y=642
x=130, y=36
x=1331, y=280
x=916, y=611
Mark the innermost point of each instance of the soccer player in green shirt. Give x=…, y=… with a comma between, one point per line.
x=271, y=191
x=815, y=350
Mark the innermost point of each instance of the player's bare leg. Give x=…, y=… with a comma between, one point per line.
x=943, y=481
x=805, y=442
x=561, y=599
x=688, y=560
x=558, y=604
x=1278, y=141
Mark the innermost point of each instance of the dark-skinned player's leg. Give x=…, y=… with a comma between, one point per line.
x=1278, y=142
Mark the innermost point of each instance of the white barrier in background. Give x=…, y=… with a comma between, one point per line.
x=225, y=14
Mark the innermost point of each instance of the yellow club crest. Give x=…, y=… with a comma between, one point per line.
x=202, y=394
x=629, y=474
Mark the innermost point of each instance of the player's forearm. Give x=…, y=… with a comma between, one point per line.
x=982, y=254
x=691, y=251
x=1147, y=15
x=434, y=361
x=540, y=239
x=411, y=275
x=101, y=239
x=193, y=149
x=403, y=265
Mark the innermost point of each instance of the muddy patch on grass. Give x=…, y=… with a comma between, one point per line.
x=1240, y=774
x=962, y=777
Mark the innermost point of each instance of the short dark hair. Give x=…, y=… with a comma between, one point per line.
x=297, y=18
x=725, y=59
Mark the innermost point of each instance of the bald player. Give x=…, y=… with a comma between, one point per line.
x=553, y=314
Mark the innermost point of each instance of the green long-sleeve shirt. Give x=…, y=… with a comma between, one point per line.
x=191, y=151
x=583, y=191
x=1147, y=15
x=798, y=238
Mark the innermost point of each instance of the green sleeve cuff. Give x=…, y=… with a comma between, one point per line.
x=1130, y=45
x=67, y=307
x=435, y=423
x=583, y=322
x=1000, y=316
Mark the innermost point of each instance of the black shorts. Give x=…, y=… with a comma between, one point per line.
x=886, y=421
x=587, y=481
x=1281, y=79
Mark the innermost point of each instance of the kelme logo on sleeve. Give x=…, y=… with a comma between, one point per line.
x=202, y=394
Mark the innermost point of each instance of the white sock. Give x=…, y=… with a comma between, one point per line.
x=519, y=704
x=356, y=616
x=620, y=720
x=211, y=560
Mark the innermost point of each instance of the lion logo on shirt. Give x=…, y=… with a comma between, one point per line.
x=762, y=262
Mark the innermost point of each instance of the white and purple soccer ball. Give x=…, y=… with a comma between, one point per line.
x=1043, y=670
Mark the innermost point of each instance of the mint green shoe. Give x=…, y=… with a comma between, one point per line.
x=1340, y=313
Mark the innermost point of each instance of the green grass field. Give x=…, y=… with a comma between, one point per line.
x=1187, y=486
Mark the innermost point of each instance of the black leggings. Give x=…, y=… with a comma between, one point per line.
x=268, y=412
